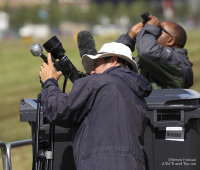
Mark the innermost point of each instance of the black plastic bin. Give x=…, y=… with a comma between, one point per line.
x=63, y=152
x=173, y=108
x=172, y=137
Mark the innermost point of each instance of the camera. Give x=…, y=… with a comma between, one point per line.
x=145, y=16
x=54, y=46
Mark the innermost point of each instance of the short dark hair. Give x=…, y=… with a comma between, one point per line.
x=120, y=61
x=180, y=36
x=106, y=59
x=124, y=63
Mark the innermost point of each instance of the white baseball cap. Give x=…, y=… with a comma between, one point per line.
x=109, y=49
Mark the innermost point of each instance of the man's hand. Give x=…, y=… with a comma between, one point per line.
x=135, y=30
x=154, y=21
x=48, y=71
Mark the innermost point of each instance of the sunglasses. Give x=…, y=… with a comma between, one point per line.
x=162, y=29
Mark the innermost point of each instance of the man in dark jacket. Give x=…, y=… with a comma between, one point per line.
x=162, y=58
x=106, y=110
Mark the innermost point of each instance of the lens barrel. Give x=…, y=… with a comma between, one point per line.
x=54, y=46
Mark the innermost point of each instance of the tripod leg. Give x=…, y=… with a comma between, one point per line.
x=49, y=152
x=38, y=165
x=36, y=162
x=47, y=165
x=52, y=144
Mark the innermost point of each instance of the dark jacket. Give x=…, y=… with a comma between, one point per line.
x=107, y=114
x=165, y=68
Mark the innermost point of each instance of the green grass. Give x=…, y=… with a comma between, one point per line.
x=19, y=79
x=193, y=53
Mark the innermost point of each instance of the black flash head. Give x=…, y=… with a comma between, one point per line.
x=54, y=46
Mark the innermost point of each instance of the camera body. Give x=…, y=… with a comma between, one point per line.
x=54, y=46
x=145, y=16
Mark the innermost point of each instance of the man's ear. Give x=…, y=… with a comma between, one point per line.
x=92, y=72
x=171, y=42
x=114, y=61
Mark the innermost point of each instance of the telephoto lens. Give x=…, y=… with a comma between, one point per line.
x=54, y=46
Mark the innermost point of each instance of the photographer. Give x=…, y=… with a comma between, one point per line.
x=106, y=110
x=162, y=58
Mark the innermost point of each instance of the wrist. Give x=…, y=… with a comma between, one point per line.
x=50, y=81
x=132, y=35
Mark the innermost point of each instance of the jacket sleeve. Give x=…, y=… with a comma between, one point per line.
x=128, y=41
x=64, y=109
